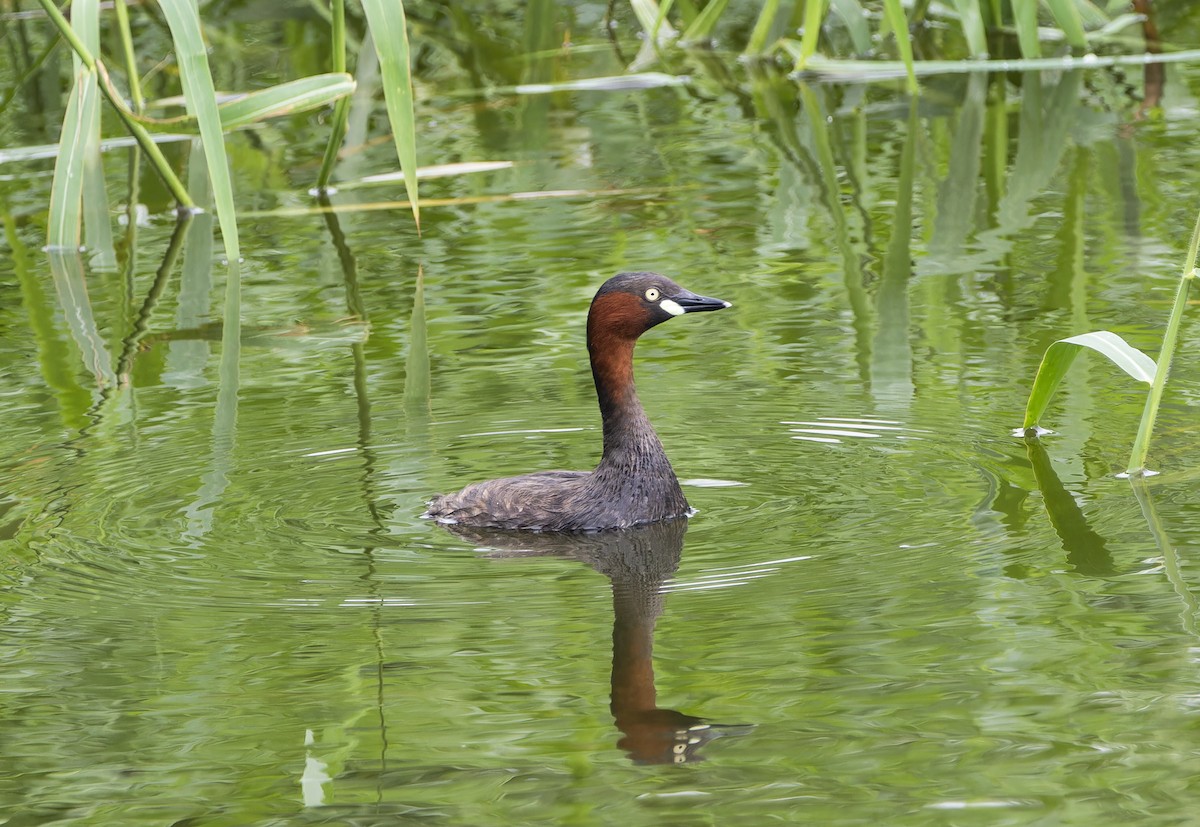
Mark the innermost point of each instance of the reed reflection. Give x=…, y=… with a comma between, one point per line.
x=637, y=563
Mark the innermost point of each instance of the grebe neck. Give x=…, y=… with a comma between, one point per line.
x=629, y=439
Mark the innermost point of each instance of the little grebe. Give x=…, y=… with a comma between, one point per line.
x=634, y=482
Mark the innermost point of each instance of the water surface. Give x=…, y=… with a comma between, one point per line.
x=220, y=604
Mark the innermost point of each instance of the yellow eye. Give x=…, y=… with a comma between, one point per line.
x=652, y=294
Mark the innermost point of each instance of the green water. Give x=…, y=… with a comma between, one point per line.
x=220, y=606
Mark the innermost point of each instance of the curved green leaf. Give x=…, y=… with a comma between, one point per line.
x=1062, y=353
x=286, y=98
x=702, y=27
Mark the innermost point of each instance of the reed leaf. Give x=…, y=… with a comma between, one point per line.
x=341, y=111
x=1025, y=18
x=196, y=76
x=1067, y=16
x=894, y=13
x=390, y=35
x=285, y=99
x=762, y=28
x=653, y=19
x=702, y=27
x=855, y=20
x=1141, y=443
x=1061, y=354
x=97, y=228
x=139, y=132
x=970, y=16
x=814, y=13
x=64, y=231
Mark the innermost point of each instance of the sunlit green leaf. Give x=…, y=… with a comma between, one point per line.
x=390, y=34
x=66, y=191
x=702, y=27
x=971, y=18
x=1025, y=17
x=814, y=13
x=1066, y=15
x=286, y=98
x=194, y=71
x=894, y=13
x=855, y=19
x=1062, y=353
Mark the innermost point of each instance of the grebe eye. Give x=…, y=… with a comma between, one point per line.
x=652, y=294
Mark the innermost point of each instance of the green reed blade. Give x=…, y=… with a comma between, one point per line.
x=1061, y=354
x=970, y=16
x=1025, y=18
x=894, y=13
x=702, y=27
x=196, y=76
x=1066, y=15
x=653, y=19
x=341, y=111
x=66, y=190
x=762, y=28
x=389, y=31
x=138, y=131
x=814, y=13
x=127, y=53
x=1141, y=443
x=854, y=18
x=285, y=99
x=97, y=225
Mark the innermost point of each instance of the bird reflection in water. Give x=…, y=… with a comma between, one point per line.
x=637, y=561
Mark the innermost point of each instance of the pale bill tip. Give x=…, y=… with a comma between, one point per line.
x=727, y=304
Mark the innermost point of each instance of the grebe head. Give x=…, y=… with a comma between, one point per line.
x=629, y=304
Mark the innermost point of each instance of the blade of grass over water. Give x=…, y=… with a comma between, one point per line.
x=390, y=35
x=702, y=27
x=40, y=152
x=1025, y=18
x=653, y=19
x=1141, y=443
x=436, y=171
x=762, y=28
x=1067, y=16
x=855, y=20
x=337, y=125
x=814, y=13
x=285, y=99
x=1062, y=353
x=971, y=17
x=139, y=132
x=97, y=227
x=894, y=13
x=131, y=70
x=66, y=191
x=196, y=76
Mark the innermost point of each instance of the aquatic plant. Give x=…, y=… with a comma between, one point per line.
x=78, y=201
x=1134, y=362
